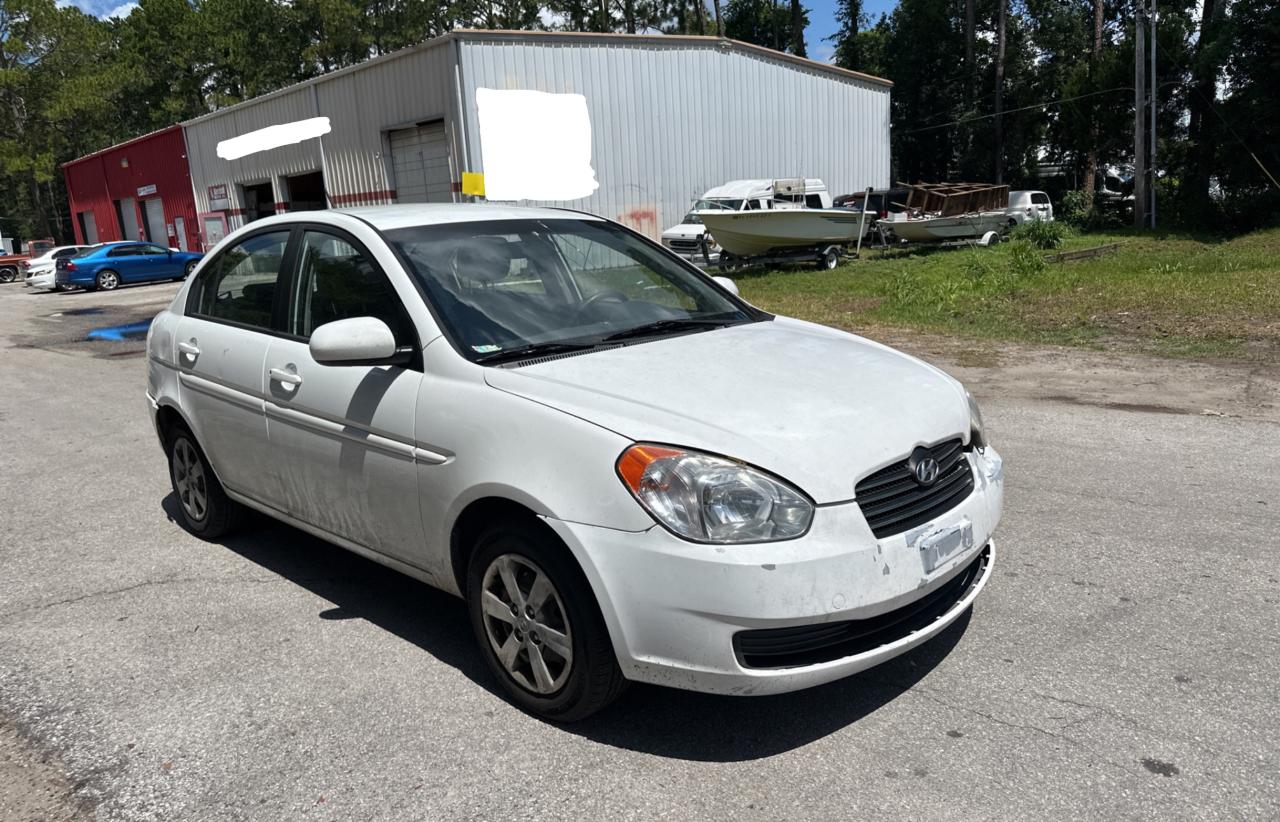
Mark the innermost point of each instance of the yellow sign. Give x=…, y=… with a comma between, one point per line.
x=473, y=184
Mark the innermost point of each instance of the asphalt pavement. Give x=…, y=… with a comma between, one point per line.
x=1122, y=663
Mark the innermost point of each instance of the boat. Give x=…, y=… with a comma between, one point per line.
x=938, y=212
x=789, y=223
x=934, y=229
x=751, y=233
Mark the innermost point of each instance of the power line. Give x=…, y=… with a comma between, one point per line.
x=964, y=120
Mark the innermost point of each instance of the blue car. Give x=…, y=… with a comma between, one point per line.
x=108, y=265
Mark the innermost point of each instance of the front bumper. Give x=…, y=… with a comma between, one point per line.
x=673, y=607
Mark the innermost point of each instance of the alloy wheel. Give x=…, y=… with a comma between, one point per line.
x=526, y=623
x=189, y=480
x=108, y=280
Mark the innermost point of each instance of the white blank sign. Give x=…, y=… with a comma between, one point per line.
x=536, y=145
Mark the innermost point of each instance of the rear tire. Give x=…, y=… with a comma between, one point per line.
x=830, y=260
x=552, y=610
x=204, y=507
x=186, y=272
x=107, y=280
x=8, y=274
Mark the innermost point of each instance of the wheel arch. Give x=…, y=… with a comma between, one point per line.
x=479, y=513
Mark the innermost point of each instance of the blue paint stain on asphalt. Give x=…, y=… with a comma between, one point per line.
x=120, y=333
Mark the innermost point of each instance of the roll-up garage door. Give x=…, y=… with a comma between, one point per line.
x=155, y=221
x=420, y=162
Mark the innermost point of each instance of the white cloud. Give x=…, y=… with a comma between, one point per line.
x=121, y=11
x=824, y=52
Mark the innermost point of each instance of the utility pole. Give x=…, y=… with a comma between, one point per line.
x=1000, y=33
x=1155, y=88
x=1139, y=120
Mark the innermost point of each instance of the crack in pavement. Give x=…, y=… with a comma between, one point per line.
x=126, y=589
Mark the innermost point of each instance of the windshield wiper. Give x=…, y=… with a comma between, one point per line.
x=524, y=352
x=658, y=327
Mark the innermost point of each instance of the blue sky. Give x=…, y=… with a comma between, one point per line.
x=822, y=23
x=822, y=18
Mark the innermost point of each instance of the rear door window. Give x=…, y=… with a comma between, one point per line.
x=239, y=286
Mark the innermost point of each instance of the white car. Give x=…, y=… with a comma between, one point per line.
x=38, y=272
x=1028, y=205
x=626, y=471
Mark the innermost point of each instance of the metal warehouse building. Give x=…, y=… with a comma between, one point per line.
x=670, y=116
x=137, y=190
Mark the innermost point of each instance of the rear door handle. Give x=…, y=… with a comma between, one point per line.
x=284, y=377
x=189, y=348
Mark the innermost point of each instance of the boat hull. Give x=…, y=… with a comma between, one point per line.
x=749, y=233
x=939, y=229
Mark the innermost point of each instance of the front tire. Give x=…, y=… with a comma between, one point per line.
x=539, y=627
x=204, y=507
x=106, y=281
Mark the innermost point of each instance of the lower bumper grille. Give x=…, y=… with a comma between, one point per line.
x=829, y=641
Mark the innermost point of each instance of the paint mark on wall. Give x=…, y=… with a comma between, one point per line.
x=264, y=139
x=643, y=219
x=535, y=145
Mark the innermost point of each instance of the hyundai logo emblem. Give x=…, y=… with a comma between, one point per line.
x=923, y=466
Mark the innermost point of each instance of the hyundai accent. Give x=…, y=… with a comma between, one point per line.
x=626, y=471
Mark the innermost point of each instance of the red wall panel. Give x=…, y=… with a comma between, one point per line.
x=158, y=159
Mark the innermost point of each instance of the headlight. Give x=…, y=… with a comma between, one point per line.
x=712, y=499
x=977, y=436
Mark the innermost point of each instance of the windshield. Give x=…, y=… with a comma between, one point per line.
x=692, y=217
x=515, y=286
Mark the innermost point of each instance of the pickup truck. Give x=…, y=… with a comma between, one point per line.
x=11, y=264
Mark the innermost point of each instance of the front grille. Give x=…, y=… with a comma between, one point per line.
x=684, y=245
x=893, y=502
x=829, y=641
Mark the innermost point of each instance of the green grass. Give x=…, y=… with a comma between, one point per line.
x=1173, y=295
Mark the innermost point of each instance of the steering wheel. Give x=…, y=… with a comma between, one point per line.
x=606, y=294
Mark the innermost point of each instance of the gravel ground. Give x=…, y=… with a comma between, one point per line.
x=1121, y=664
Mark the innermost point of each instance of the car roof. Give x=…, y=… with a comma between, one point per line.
x=408, y=215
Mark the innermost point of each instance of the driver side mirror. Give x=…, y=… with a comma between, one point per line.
x=356, y=341
x=727, y=284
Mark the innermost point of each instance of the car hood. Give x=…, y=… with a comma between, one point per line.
x=817, y=407
x=683, y=231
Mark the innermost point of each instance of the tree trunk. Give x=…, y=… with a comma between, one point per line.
x=1199, y=122
x=719, y=22
x=629, y=15
x=797, y=30
x=1091, y=158
x=999, y=107
x=604, y=15
x=700, y=9
x=970, y=69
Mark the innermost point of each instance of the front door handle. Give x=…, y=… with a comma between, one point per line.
x=284, y=377
x=189, y=348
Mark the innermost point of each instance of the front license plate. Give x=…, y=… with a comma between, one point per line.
x=937, y=544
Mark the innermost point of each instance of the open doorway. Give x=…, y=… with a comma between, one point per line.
x=306, y=191
x=259, y=201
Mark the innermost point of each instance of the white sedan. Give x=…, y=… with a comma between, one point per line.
x=627, y=472
x=38, y=272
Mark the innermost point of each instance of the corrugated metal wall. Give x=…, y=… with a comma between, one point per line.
x=671, y=117
x=671, y=121
x=159, y=159
x=362, y=103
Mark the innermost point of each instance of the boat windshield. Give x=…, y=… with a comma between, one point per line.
x=512, y=289
x=692, y=217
